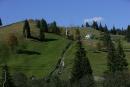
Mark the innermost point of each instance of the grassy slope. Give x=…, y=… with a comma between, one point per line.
x=97, y=60
x=41, y=65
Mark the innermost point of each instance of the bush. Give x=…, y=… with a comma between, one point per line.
x=99, y=46
x=12, y=42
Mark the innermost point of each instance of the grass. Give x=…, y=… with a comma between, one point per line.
x=41, y=57
x=39, y=65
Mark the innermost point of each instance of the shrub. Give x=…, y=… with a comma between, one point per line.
x=12, y=41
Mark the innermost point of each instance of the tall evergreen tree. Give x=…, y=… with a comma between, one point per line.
x=105, y=28
x=0, y=22
x=26, y=29
x=44, y=25
x=113, y=30
x=87, y=24
x=101, y=27
x=111, y=57
x=122, y=62
x=82, y=26
x=116, y=58
x=6, y=77
x=95, y=25
x=42, y=29
x=117, y=74
x=128, y=33
x=82, y=71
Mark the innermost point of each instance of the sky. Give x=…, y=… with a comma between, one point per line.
x=67, y=12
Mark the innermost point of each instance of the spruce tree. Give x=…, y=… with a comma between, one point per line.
x=44, y=25
x=95, y=25
x=117, y=74
x=121, y=60
x=82, y=73
x=105, y=28
x=42, y=30
x=101, y=27
x=113, y=30
x=0, y=22
x=26, y=29
x=87, y=24
x=111, y=56
x=128, y=33
x=6, y=77
x=116, y=58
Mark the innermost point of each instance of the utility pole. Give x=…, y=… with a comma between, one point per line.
x=66, y=31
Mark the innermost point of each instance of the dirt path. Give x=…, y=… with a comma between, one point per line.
x=60, y=64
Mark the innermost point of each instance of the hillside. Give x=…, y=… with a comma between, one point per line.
x=41, y=58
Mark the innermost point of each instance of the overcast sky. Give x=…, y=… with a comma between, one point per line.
x=67, y=12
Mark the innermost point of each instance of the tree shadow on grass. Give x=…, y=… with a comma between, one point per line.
x=46, y=39
x=28, y=52
x=35, y=38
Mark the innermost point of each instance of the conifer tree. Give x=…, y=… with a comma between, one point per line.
x=44, y=25
x=113, y=30
x=116, y=58
x=101, y=27
x=105, y=28
x=121, y=60
x=26, y=29
x=117, y=74
x=81, y=63
x=87, y=24
x=0, y=22
x=128, y=33
x=42, y=29
x=6, y=77
x=95, y=25
x=82, y=25
x=112, y=56
x=82, y=72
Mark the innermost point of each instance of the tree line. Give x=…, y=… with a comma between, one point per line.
x=100, y=27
